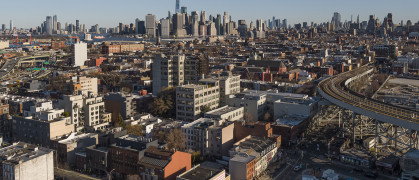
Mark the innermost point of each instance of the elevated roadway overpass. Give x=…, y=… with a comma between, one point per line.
x=395, y=127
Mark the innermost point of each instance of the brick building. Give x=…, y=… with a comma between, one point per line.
x=163, y=164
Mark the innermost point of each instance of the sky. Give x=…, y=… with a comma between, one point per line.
x=108, y=13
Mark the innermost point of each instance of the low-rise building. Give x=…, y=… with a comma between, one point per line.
x=258, y=103
x=84, y=85
x=127, y=151
x=263, y=149
x=208, y=136
x=86, y=112
x=68, y=147
x=192, y=99
x=120, y=104
x=26, y=161
x=226, y=113
x=204, y=171
x=41, y=124
x=163, y=164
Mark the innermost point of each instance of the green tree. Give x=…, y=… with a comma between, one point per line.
x=65, y=114
x=197, y=157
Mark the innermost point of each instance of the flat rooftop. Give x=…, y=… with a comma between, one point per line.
x=200, y=123
x=21, y=152
x=223, y=110
x=204, y=171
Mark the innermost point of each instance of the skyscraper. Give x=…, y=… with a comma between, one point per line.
x=184, y=10
x=177, y=10
x=11, y=26
x=273, y=22
x=48, y=25
x=54, y=23
x=178, y=24
x=141, y=27
x=165, y=28
x=218, y=24
x=3, y=27
x=150, y=25
x=285, y=23
x=336, y=20
x=371, y=27
x=225, y=21
x=203, y=17
x=77, y=26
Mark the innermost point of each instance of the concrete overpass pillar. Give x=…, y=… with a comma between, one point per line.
x=353, y=127
x=376, y=138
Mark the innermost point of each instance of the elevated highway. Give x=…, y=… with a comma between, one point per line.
x=335, y=89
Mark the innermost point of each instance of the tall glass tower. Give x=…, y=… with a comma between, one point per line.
x=177, y=10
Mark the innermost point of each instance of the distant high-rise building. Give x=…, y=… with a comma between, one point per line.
x=11, y=26
x=3, y=27
x=136, y=25
x=48, y=25
x=184, y=10
x=195, y=28
x=225, y=21
x=150, y=25
x=165, y=28
x=54, y=23
x=336, y=20
x=141, y=27
x=390, y=19
x=79, y=54
x=259, y=25
x=169, y=15
x=177, y=10
x=58, y=26
x=77, y=26
x=178, y=24
x=218, y=24
x=357, y=19
x=371, y=27
x=285, y=23
x=203, y=17
x=274, y=22
x=194, y=16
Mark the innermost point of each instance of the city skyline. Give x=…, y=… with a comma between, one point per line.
x=93, y=12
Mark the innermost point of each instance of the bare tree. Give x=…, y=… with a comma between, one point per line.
x=267, y=116
x=176, y=140
x=248, y=118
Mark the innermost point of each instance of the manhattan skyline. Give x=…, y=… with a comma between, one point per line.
x=108, y=14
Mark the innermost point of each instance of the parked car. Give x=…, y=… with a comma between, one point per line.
x=298, y=167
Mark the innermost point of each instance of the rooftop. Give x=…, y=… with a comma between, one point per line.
x=223, y=110
x=200, y=123
x=74, y=138
x=203, y=171
x=258, y=144
x=21, y=152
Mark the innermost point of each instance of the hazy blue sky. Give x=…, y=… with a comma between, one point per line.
x=108, y=13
